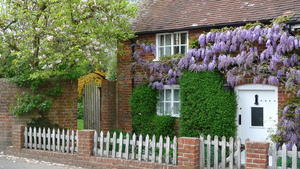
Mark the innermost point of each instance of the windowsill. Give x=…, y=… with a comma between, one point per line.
x=169, y=115
x=257, y=127
x=155, y=60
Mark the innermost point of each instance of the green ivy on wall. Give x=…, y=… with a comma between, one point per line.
x=144, y=100
x=143, y=103
x=206, y=108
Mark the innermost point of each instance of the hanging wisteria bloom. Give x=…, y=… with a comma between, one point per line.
x=236, y=54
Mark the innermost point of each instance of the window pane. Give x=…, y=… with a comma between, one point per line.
x=161, y=108
x=161, y=95
x=168, y=110
x=183, y=38
x=168, y=51
x=183, y=49
x=168, y=39
x=176, y=39
x=168, y=95
x=176, y=109
x=176, y=95
x=176, y=49
x=161, y=40
x=161, y=51
x=257, y=116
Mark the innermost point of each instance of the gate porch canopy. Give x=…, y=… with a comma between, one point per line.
x=96, y=77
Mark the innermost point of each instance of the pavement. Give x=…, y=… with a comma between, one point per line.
x=13, y=162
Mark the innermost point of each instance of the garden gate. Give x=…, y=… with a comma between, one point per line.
x=92, y=106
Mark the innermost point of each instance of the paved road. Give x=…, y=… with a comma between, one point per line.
x=12, y=162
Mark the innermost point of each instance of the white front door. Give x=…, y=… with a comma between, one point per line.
x=257, y=111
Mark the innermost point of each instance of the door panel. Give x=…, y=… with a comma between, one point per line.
x=92, y=107
x=257, y=113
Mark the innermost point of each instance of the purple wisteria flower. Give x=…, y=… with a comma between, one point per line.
x=202, y=40
x=212, y=65
x=272, y=80
x=236, y=54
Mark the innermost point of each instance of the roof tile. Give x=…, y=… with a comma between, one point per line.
x=160, y=15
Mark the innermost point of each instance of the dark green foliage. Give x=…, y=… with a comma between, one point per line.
x=29, y=103
x=143, y=99
x=80, y=108
x=206, y=108
x=144, y=119
x=118, y=132
x=42, y=122
x=288, y=162
x=153, y=124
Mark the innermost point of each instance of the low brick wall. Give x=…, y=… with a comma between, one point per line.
x=188, y=154
x=85, y=161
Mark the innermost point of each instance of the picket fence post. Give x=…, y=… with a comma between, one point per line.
x=254, y=150
x=18, y=136
x=85, y=142
x=189, y=152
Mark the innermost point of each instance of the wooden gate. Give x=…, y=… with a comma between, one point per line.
x=92, y=106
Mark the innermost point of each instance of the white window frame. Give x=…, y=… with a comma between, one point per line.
x=172, y=43
x=172, y=87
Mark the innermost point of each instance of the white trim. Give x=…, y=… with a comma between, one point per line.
x=294, y=27
x=172, y=43
x=257, y=87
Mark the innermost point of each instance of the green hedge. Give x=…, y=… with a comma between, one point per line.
x=153, y=124
x=143, y=99
x=144, y=119
x=206, y=108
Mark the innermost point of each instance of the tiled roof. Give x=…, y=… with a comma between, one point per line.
x=160, y=15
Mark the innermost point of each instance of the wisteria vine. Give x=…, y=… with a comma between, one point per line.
x=270, y=55
x=267, y=54
x=289, y=126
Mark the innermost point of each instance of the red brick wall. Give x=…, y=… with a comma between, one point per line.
x=124, y=88
x=64, y=108
x=63, y=112
x=257, y=155
x=108, y=105
x=189, y=152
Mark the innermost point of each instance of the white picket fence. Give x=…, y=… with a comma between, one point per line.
x=64, y=141
x=226, y=154
x=284, y=156
x=162, y=150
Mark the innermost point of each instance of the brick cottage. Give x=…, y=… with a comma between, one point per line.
x=171, y=25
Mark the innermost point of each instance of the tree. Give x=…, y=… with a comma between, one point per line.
x=48, y=39
x=44, y=40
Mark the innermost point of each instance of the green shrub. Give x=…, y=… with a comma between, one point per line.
x=144, y=119
x=80, y=108
x=29, y=103
x=206, y=108
x=42, y=122
x=143, y=99
x=153, y=124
